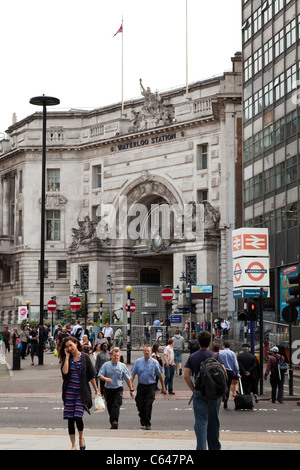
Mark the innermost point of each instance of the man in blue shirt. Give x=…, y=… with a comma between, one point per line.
x=231, y=366
x=113, y=373
x=147, y=369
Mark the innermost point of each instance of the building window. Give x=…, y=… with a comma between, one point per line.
x=279, y=43
x=84, y=278
x=53, y=180
x=202, y=157
x=268, y=52
x=202, y=196
x=53, y=225
x=61, y=269
x=97, y=176
x=248, y=108
x=257, y=61
x=191, y=270
x=46, y=271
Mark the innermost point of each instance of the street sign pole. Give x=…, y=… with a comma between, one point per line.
x=261, y=339
x=128, y=290
x=291, y=373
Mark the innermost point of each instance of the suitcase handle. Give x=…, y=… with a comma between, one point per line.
x=241, y=387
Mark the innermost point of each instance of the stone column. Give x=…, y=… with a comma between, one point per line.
x=5, y=206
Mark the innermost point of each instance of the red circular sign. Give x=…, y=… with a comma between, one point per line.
x=167, y=294
x=238, y=272
x=132, y=307
x=75, y=303
x=51, y=305
x=256, y=271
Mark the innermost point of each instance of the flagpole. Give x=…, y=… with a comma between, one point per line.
x=186, y=48
x=122, y=108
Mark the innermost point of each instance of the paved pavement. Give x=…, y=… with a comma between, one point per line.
x=45, y=381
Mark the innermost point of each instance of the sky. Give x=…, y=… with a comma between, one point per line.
x=66, y=49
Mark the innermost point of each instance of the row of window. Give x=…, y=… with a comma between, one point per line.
x=284, y=173
x=11, y=273
x=277, y=221
x=272, y=92
x=262, y=16
x=53, y=178
x=61, y=269
x=271, y=135
x=272, y=49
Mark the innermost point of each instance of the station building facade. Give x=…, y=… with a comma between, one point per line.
x=149, y=197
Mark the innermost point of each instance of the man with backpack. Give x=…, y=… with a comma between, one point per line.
x=209, y=387
x=276, y=366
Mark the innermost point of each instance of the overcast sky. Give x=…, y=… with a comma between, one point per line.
x=66, y=49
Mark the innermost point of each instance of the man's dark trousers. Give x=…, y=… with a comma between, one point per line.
x=113, y=397
x=144, y=399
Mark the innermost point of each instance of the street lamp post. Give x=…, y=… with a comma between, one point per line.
x=128, y=290
x=101, y=302
x=110, y=289
x=43, y=101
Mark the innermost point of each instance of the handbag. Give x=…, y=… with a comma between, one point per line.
x=99, y=404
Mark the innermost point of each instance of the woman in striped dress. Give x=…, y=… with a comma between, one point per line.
x=77, y=371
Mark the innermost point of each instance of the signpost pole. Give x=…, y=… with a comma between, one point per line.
x=128, y=290
x=291, y=373
x=261, y=339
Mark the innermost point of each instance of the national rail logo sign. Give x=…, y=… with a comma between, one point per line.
x=250, y=242
x=251, y=272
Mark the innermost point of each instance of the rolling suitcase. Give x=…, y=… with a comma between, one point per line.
x=241, y=401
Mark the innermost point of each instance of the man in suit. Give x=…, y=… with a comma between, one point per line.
x=249, y=371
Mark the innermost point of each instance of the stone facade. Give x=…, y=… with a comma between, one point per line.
x=166, y=150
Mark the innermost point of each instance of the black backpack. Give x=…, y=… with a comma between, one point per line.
x=282, y=366
x=211, y=379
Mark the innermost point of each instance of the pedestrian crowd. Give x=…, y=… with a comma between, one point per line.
x=86, y=359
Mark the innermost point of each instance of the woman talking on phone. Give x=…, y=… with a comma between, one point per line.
x=77, y=371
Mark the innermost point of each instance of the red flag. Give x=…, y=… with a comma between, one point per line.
x=120, y=30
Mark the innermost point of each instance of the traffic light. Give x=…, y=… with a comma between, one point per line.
x=252, y=310
x=294, y=290
x=242, y=316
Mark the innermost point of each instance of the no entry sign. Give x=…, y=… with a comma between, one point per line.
x=51, y=305
x=167, y=294
x=132, y=307
x=75, y=303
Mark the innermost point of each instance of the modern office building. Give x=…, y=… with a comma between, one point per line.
x=271, y=159
x=109, y=178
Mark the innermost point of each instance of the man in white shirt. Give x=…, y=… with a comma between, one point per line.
x=169, y=366
x=108, y=333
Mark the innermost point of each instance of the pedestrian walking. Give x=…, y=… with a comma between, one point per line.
x=148, y=370
x=206, y=412
x=34, y=343
x=156, y=356
x=249, y=371
x=114, y=373
x=277, y=375
x=232, y=369
x=24, y=338
x=178, y=350
x=169, y=366
x=77, y=371
x=6, y=335
x=102, y=357
x=193, y=344
x=108, y=333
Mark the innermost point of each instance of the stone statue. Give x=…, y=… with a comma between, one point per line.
x=86, y=234
x=153, y=113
